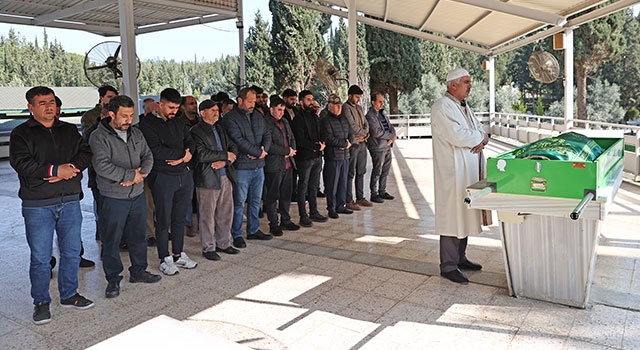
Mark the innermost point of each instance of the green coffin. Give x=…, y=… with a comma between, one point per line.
x=545, y=177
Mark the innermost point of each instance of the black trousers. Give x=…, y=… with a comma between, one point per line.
x=171, y=197
x=453, y=251
x=279, y=186
x=308, y=181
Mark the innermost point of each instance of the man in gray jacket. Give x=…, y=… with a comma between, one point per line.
x=383, y=134
x=122, y=159
x=354, y=114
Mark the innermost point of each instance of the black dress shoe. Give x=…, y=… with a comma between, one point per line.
x=320, y=194
x=145, y=277
x=289, y=226
x=151, y=242
x=345, y=211
x=377, y=199
x=469, y=265
x=305, y=221
x=113, y=289
x=333, y=215
x=228, y=250
x=259, y=235
x=86, y=263
x=317, y=217
x=455, y=276
x=386, y=196
x=239, y=242
x=276, y=231
x=211, y=255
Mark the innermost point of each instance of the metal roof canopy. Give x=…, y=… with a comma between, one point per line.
x=486, y=27
x=102, y=16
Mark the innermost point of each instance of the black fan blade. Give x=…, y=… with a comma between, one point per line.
x=117, y=51
x=97, y=67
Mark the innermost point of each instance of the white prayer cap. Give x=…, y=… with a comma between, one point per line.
x=457, y=73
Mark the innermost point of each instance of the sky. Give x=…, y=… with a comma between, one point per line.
x=204, y=42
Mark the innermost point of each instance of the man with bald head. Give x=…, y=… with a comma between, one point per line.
x=458, y=140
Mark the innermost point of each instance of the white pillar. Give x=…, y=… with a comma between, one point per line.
x=353, y=36
x=240, y=26
x=492, y=91
x=128, y=51
x=568, y=78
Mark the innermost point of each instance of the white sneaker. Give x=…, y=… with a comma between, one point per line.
x=185, y=262
x=168, y=267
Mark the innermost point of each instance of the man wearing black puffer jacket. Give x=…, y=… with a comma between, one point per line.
x=336, y=133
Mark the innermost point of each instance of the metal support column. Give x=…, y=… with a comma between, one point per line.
x=353, y=35
x=568, y=78
x=128, y=50
x=240, y=26
x=492, y=91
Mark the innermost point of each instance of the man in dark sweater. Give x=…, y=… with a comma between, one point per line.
x=49, y=156
x=170, y=179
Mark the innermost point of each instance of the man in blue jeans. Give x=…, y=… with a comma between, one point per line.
x=49, y=156
x=122, y=160
x=248, y=131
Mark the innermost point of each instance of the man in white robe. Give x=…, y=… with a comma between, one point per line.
x=458, y=140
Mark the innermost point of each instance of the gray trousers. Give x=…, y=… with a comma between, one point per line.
x=357, y=169
x=381, y=164
x=453, y=251
x=216, y=215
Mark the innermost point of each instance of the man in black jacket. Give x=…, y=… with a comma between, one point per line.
x=336, y=133
x=49, y=156
x=278, y=169
x=214, y=178
x=170, y=179
x=308, y=159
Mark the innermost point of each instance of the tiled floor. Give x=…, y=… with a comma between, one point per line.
x=365, y=281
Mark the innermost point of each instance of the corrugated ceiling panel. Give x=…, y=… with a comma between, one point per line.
x=498, y=28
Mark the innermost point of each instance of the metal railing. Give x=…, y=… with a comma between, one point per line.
x=527, y=128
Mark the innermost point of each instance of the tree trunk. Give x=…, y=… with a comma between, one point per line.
x=393, y=100
x=581, y=87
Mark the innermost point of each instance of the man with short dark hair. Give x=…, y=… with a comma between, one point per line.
x=247, y=130
x=90, y=117
x=170, y=180
x=290, y=98
x=49, y=156
x=214, y=178
x=189, y=109
x=278, y=169
x=383, y=135
x=227, y=105
x=122, y=160
x=308, y=158
x=354, y=114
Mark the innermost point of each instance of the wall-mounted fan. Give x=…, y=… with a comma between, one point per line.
x=544, y=67
x=103, y=64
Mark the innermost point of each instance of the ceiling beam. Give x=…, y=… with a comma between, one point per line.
x=70, y=11
x=515, y=10
x=179, y=24
x=203, y=9
x=386, y=10
x=433, y=8
x=104, y=30
x=392, y=27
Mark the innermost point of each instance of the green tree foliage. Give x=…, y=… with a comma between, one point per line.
x=28, y=63
x=507, y=97
x=595, y=43
x=539, y=109
x=396, y=65
x=624, y=69
x=259, y=63
x=603, y=102
x=298, y=42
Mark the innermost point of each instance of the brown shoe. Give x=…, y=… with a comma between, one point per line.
x=364, y=203
x=190, y=231
x=353, y=206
